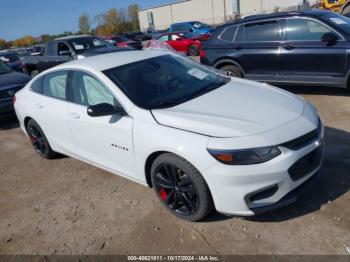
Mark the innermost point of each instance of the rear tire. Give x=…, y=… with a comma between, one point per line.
x=39, y=141
x=193, y=50
x=232, y=70
x=180, y=187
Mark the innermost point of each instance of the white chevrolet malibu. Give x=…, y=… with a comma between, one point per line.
x=200, y=139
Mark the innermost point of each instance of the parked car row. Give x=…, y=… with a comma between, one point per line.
x=65, y=49
x=13, y=60
x=122, y=41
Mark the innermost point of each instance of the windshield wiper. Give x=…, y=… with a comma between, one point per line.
x=167, y=104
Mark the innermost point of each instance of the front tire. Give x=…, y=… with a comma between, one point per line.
x=181, y=188
x=39, y=140
x=232, y=71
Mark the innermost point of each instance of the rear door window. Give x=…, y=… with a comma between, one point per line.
x=266, y=31
x=54, y=84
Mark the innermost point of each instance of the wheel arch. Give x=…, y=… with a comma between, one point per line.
x=347, y=3
x=153, y=156
x=26, y=120
x=148, y=165
x=228, y=61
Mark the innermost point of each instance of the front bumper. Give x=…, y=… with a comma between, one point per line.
x=252, y=189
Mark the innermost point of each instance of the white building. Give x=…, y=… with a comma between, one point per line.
x=208, y=11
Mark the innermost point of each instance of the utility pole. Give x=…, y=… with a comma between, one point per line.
x=171, y=11
x=224, y=10
x=212, y=10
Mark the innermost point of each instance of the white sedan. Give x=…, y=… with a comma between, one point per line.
x=201, y=140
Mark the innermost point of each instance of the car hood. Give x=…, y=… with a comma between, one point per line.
x=239, y=108
x=13, y=79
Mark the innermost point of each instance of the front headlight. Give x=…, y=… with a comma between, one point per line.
x=245, y=156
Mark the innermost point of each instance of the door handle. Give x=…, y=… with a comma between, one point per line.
x=74, y=115
x=288, y=47
x=40, y=106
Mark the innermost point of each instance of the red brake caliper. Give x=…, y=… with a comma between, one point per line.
x=162, y=194
x=32, y=138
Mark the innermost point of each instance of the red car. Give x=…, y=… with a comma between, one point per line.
x=182, y=42
x=122, y=41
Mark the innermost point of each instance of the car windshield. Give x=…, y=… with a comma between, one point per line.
x=83, y=44
x=164, y=81
x=199, y=25
x=339, y=21
x=9, y=57
x=4, y=68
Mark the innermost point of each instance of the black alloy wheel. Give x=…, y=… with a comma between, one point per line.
x=180, y=187
x=193, y=50
x=176, y=189
x=39, y=141
x=232, y=71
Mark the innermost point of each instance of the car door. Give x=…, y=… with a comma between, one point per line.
x=48, y=107
x=257, y=48
x=105, y=141
x=176, y=42
x=306, y=59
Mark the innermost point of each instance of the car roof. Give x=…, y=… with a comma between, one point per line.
x=73, y=37
x=7, y=52
x=255, y=18
x=188, y=22
x=106, y=61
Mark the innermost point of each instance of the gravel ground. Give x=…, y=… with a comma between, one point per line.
x=64, y=206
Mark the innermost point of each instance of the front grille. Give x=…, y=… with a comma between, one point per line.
x=8, y=94
x=306, y=164
x=304, y=140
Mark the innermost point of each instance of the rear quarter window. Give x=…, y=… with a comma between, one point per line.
x=37, y=86
x=228, y=34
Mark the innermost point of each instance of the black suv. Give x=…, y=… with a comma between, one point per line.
x=310, y=48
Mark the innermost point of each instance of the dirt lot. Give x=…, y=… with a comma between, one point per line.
x=65, y=206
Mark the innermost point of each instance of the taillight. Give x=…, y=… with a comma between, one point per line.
x=122, y=44
x=201, y=53
x=14, y=99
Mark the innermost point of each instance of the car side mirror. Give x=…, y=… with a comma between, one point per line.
x=103, y=109
x=179, y=39
x=329, y=38
x=65, y=53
